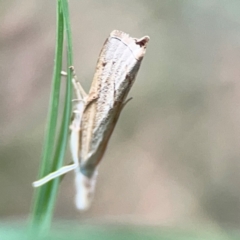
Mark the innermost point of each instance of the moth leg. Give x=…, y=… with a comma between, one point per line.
x=74, y=137
x=63, y=73
x=79, y=91
x=53, y=175
x=74, y=146
x=126, y=102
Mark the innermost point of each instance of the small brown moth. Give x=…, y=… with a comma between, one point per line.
x=96, y=114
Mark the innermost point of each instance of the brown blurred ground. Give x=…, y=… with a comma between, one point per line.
x=174, y=156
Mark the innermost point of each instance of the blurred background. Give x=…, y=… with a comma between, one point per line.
x=173, y=159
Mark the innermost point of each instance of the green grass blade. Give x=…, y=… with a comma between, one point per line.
x=45, y=196
x=69, y=37
x=63, y=137
x=40, y=201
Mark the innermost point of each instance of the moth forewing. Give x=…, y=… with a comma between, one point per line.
x=117, y=67
x=123, y=54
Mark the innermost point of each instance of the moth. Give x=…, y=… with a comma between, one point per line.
x=95, y=114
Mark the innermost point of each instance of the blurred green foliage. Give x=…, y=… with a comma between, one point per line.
x=70, y=231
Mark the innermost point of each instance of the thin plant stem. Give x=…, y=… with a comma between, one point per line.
x=40, y=211
x=63, y=137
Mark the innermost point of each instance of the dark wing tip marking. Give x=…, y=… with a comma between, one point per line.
x=142, y=42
